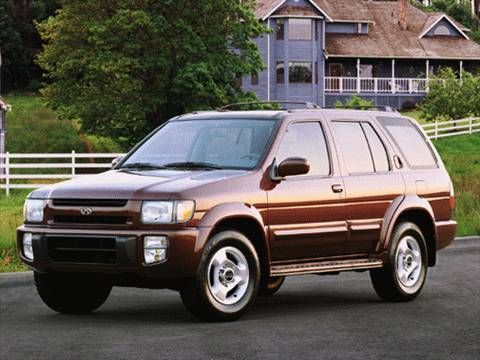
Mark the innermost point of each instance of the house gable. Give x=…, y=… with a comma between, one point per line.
x=442, y=26
x=292, y=8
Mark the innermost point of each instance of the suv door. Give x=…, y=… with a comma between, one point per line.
x=306, y=212
x=371, y=183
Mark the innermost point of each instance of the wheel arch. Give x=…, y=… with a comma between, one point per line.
x=418, y=211
x=243, y=218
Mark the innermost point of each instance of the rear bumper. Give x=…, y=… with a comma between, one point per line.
x=445, y=233
x=183, y=254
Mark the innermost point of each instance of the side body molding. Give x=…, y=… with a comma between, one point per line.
x=399, y=206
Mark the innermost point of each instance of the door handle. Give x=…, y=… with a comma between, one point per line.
x=337, y=188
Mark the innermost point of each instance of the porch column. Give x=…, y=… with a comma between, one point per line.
x=461, y=69
x=268, y=61
x=393, y=76
x=358, y=76
x=427, y=70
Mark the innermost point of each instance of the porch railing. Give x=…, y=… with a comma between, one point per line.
x=375, y=85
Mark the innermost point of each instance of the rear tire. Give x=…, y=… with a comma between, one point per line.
x=405, y=271
x=71, y=293
x=227, y=279
x=270, y=285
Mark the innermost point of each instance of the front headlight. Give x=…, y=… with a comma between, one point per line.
x=33, y=210
x=167, y=212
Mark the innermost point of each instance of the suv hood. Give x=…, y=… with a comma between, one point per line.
x=134, y=185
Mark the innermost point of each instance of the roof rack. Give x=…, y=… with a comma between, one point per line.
x=361, y=107
x=306, y=104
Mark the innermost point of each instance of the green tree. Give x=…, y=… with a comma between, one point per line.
x=124, y=67
x=20, y=42
x=450, y=98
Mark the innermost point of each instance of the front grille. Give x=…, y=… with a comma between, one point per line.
x=93, y=220
x=87, y=250
x=90, y=202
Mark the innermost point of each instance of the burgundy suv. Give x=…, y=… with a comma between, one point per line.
x=221, y=206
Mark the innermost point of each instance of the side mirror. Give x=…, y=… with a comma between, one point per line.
x=290, y=167
x=116, y=161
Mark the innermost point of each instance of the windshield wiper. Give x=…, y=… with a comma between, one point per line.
x=193, y=165
x=141, y=166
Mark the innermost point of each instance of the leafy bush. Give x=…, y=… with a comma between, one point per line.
x=355, y=102
x=451, y=98
x=101, y=144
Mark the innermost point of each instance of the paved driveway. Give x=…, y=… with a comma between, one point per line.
x=312, y=317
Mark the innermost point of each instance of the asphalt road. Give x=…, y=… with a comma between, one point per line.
x=312, y=317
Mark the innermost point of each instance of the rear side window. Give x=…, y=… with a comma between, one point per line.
x=410, y=141
x=353, y=144
x=306, y=140
x=379, y=153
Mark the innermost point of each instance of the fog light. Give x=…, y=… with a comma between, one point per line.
x=155, y=249
x=27, y=246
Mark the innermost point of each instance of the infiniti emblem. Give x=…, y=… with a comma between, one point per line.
x=86, y=211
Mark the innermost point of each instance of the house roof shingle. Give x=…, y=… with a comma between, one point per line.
x=385, y=38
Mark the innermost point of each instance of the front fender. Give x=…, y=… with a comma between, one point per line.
x=227, y=211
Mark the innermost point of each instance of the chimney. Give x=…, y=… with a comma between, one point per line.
x=403, y=12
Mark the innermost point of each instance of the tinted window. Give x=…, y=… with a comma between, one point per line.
x=354, y=147
x=410, y=141
x=379, y=154
x=306, y=140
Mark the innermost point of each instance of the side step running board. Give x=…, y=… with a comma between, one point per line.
x=325, y=266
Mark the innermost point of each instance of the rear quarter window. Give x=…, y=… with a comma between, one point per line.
x=410, y=141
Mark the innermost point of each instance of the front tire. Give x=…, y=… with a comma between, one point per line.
x=404, y=274
x=227, y=279
x=72, y=293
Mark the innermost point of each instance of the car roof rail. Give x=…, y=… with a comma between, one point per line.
x=306, y=104
x=363, y=107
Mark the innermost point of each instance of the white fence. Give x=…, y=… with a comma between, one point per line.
x=72, y=164
x=443, y=129
x=375, y=85
x=75, y=165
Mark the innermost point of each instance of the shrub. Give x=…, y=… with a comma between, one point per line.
x=451, y=98
x=355, y=102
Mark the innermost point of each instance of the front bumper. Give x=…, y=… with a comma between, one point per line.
x=183, y=254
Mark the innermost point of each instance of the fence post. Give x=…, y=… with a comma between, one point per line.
x=73, y=163
x=7, y=173
x=470, y=126
x=436, y=130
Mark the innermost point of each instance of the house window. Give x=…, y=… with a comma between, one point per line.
x=300, y=72
x=254, y=79
x=300, y=29
x=359, y=28
x=366, y=70
x=280, y=29
x=280, y=72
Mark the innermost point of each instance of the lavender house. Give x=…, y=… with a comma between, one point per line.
x=328, y=50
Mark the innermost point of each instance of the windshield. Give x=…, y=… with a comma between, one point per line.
x=211, y=144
